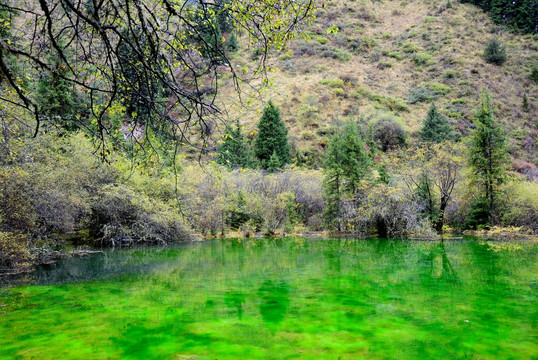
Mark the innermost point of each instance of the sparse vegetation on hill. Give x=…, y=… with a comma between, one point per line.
x=402, y=56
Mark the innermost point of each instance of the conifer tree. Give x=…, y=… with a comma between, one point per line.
x=238, y=211
x=272, y=137
x=212, y=45
x=140, y=93
x=534, y=74
x=356, y=160
x=520, y=14
x=233, y=44
x=346, y=163
x=435, y=127
x=56, y=96
x=495, y=52
x=525, y=104
x=383, y=175
x=234, y=151
x=488, y=158
x=274, y=163
x=332, y=181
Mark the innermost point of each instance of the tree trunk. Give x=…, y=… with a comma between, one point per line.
x=381, y=228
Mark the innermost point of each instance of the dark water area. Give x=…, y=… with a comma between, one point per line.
x=291, y=298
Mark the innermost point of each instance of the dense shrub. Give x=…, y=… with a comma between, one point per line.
x=123, y=216
x=213, y=203
x=427, y=92
x=420, y=94
x=388, y=133
x=521, y=206
x=16, y=211
x=308, y=158
x=13, y=251
x=389, y=211
x=51, y=192
x=423, y=59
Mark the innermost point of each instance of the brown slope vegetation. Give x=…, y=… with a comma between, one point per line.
x=383, y=52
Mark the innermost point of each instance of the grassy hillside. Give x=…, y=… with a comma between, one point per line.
x=395, y=57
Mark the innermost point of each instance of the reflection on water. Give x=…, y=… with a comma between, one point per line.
x=235, y=300
x=274, y=301
x=280, y=299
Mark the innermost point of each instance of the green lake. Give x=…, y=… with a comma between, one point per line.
x=291, y=298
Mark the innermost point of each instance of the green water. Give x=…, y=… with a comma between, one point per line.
x=280, y=299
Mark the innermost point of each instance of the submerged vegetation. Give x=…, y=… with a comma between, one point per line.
x=285, y=298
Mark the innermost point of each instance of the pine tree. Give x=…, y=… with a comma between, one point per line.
x=356, y=160
x=520, y=14
x=332, y=181
x=238, y=211
x=56, y=96
x=225, y=15
x=495, y=52
x=274, y=163
x=525, y=104
x=140, y=94
x=346, y=163
x=272, y=137
x=233, y=44
x=534, y=74
x=234, y=151
x=209, y=36
x=435, y=127
x=488, y=158
x=383, y=175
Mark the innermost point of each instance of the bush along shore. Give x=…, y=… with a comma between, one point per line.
x=55, y=191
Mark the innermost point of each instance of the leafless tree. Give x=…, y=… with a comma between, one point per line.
x=166, y=41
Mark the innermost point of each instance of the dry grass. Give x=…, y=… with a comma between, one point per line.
x=385, y=39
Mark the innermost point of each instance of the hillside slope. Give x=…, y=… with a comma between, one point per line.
x=395, y=57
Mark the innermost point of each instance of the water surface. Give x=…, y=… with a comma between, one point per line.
x=280, y=299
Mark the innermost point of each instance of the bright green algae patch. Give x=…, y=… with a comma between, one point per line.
x=281, y=299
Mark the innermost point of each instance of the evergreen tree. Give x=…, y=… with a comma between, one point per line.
x=534, y=74
x=272, y=137
x=356, y=160
x=224, y=15
x=332, y=181
x=435, y=127
x=346, y=163
x=234, y=151
x=520, y=14
x=238, y=211
x=488, y=158
x=233, y=44
x=208, y=33
x=274, y=163
x=212, y=45
x=140, y=92
x=495, y=52
x=525, y=104
x=383, y=175
x=479, y=214
x=56, y=97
